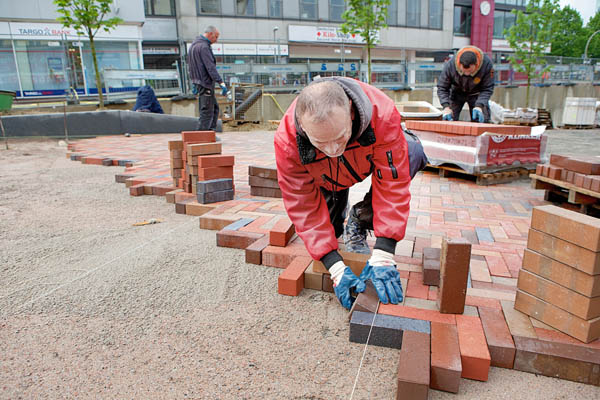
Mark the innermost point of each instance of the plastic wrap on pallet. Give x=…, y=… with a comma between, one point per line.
x=485, y=153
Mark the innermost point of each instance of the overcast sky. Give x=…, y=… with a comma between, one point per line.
x=587, y=8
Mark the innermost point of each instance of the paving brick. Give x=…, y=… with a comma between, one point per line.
x=416, y=313
x=291, y=280
x=584, y=330
x=577, y=257
x=265, y=192
x=580, y=229
x=367, y=301
x=175, y=144
x=240, y=223
x=281, y=257
x=263, y=172
x=327, y=283
x=136, y=190
x=312, y=279
x=568, y=300
x=446, y=365
x=559, y=360
x=355, y=261
x=587, y=165
x=236, y=239
x=413, y=367
x=201, y=149
x=214, y=185
x=579, y=178
x=595, y=184
x=281, y=233
x=214, y=160
x=498, y=337
x=474, y=353
x=206, y=174
x=587, y=285
x=254, y=251
x=431, y=272
x=518, y=323
x=387, y=330
x=554, y=172
x=550, y=334
x=170, y=196
x=476, y=301
x=216, y=222
x=455, y=258
x=215, y=197
x=198, y=136
x=491, y=294
x=197, y=209
x=262, y=182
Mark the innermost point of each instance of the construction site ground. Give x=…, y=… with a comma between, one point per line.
x=93, y=307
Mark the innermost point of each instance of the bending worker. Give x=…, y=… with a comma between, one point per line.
x=338, y=132
x=468, y=77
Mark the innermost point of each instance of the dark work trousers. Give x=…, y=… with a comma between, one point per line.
x=458, y=100
x=363, y=210
x=209, y=109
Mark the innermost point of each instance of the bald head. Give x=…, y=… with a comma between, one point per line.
x=318, y=99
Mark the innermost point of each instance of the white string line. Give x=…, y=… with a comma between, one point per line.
x=106, y=263
x=364, y=351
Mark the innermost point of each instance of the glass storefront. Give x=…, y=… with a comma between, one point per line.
x=8, y=71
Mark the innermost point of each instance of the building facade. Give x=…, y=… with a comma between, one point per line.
x=278, y=43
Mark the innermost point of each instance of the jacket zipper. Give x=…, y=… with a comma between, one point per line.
x=391, y=164
x=331, y=181
x=370, y=160
x=324, y=158
x=349, y=168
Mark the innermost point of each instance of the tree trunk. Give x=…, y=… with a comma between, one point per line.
x=369, y=62
x=527, y=94
x=98, y=80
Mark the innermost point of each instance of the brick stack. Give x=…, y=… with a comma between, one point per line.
x=560, y=280
x=583, y=172
x=263, y=181
x=467, y=128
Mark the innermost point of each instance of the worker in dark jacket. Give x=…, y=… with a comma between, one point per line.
x=204, y=75
x=468, y=77
x=338, y=132
x=146, y=101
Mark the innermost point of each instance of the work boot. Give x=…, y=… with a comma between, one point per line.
x=355, y=237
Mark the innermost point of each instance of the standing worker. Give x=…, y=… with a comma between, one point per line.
x=338, y=132
x=468, y=77
x=203, y=71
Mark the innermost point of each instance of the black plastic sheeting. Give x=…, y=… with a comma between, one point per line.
x=96, y=123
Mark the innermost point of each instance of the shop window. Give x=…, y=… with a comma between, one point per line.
x=392, y=17
x=245, y=7
x=42, y=65
x=159, y=7
x=436, y=9
x=308, y=9
x=208, y=6
x=276, y=8
x=503, y=20
x=111, y=55
x=413, y=13
x=462, y=21
x=336, y=9
x=8, y=69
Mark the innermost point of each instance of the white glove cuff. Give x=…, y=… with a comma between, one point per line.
x=336, y=271
x=222, y=84
x=478, y=108
x=381, y=258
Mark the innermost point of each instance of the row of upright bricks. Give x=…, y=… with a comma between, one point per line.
x=439, y=344
x=583, y=172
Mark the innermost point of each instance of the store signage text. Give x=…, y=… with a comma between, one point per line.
x=43, y=32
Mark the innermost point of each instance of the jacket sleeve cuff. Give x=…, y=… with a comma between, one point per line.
x=331, y=258
x=385, y=244
x=445, y=105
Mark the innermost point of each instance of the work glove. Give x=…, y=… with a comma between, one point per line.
x=381, y=270
x=447, y=114
x=223, y=89
x=344, y=282
x=477, y=115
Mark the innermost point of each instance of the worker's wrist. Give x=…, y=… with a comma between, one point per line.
x=331, y=258
x=336, y=271
x=381, y=258
x=385, y=244
x=445, y=105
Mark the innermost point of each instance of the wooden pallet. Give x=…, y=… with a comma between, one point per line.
x=483, y=179
x=568, y=195
x=577, y=127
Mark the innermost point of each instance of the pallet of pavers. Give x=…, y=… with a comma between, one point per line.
x=202, y=174
x=263, y=181
x=481, y=148
x=573, y=181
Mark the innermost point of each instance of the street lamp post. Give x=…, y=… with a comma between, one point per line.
x=276, y=40
x=587, y=44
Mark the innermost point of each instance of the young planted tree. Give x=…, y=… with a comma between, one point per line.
x=530, y=37
x=87, y=17
x=365, y=18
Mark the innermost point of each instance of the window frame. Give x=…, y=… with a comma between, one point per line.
x=470, y=19
x=269, y=12
x=153, y=14
x=245, y=15
x=199, y=9
x=316, y=5
x=330, y=8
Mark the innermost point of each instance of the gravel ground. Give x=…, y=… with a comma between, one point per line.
x=92, y=307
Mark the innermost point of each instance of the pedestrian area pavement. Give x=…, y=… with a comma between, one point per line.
x=494, y=219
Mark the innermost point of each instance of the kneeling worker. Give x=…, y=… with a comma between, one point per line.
x=468, y=77
x=338, y=132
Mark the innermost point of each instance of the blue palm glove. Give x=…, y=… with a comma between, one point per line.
x=344, y=282
x=478, y=115
x=223, y=89
x=381, y=270
x=447, y=114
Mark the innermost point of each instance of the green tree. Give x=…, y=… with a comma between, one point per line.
x=592, y=26
x=365, y=18
x=568, y=39
x=530, y=37
x=87, y=17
